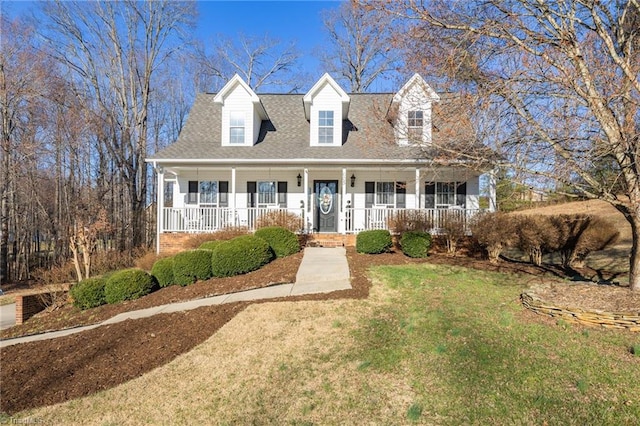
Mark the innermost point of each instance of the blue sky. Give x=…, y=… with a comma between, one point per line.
x=299, y=21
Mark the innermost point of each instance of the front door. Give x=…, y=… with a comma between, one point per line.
x=326, y=205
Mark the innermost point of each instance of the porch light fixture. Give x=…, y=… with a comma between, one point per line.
x=299, y=179
x=353, y=180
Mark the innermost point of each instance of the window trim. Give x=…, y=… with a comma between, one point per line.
x=391, y=193
x=372, y=195
x=195, y=198
x=275, y=193
x=235, y=126
x=322, y=139
x=415, y=124
x=415, y=119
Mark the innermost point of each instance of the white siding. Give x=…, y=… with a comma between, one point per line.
x=240, y=100
x=326, y=99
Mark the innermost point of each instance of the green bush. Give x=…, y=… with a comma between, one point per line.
x=282, y=241
x=128, y=284
x=374, y=241
x=210, y=245
x=240, y=255
x=88, y=293
x=415, y=243
x=191, y=266
x=162, y=271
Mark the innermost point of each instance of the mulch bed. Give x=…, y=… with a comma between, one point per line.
x=53, y=371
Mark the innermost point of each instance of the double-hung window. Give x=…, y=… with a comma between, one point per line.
x=325, y=127
x=385, y=192
x=208, y=193
x=267, y=193
x=445, y=194
x=416, y=123
x=236, y=127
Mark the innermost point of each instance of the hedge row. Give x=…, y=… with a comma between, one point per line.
x=220, y=258
x=572, y=236
x=213, y=259
x=126, y=284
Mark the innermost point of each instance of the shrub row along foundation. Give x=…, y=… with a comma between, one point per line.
x=621, y=320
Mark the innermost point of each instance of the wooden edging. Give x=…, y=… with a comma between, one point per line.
x=620, y=320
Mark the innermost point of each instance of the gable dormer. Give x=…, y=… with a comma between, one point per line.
x=412, y=106
x=242, y=113
x=326, y=105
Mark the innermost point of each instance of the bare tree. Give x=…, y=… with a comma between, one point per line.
x=23, y=79
x=361, y=49
x=553, y=87
x=113, y=52
x=260, y=61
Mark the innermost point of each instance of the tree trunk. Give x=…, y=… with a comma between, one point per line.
x=634, y=258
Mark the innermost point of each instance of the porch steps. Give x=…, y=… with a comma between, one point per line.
x=331, y=240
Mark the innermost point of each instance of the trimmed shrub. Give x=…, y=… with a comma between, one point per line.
x=415, y=243
x=224, y=234
x=240, y=255
x=597, y=236
x=536, y=236
x=210, y=245
x=374, y=241
x=162, y=271
x=493, y=232
x=128, y=284
x=88, y=293
x=191, y=266
x=282, y=241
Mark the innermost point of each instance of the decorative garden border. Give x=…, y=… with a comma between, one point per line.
x=619, y=320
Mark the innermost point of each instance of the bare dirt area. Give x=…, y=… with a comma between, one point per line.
x=52, y=371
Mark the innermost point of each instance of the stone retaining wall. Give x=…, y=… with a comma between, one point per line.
x=622, y=320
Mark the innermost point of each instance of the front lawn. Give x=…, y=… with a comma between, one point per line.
x=433, y=344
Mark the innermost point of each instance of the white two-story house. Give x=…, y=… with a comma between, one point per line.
x=340, y=162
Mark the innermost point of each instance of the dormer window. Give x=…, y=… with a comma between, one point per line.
x=236, y=127
x=326, y=106
x=415, y=122
x=325, y=127
x=411, y=112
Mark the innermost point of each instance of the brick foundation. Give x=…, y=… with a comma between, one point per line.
x=172, y=243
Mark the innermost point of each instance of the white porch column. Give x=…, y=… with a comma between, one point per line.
x=493, y=205
x=417, y=188
x=160, y=206
x=232, y=202
x=343, y=209
x=308, y=216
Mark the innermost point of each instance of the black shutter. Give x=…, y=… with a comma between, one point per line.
x=192, y=196
x=430, y=195
x=252, y=188
x=282, y=194
x=369, y=194
x=401, y=195
x=223, y=187
x=461, y=195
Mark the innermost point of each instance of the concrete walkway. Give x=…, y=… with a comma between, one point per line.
x=322, y=270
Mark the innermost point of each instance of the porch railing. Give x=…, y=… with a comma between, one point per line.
x=211, y=219
x=434, y=220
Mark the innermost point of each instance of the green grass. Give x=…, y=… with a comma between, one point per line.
x=473, y=357
x=432, y=344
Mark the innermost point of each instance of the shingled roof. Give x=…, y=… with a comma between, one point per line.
x=367, y=134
